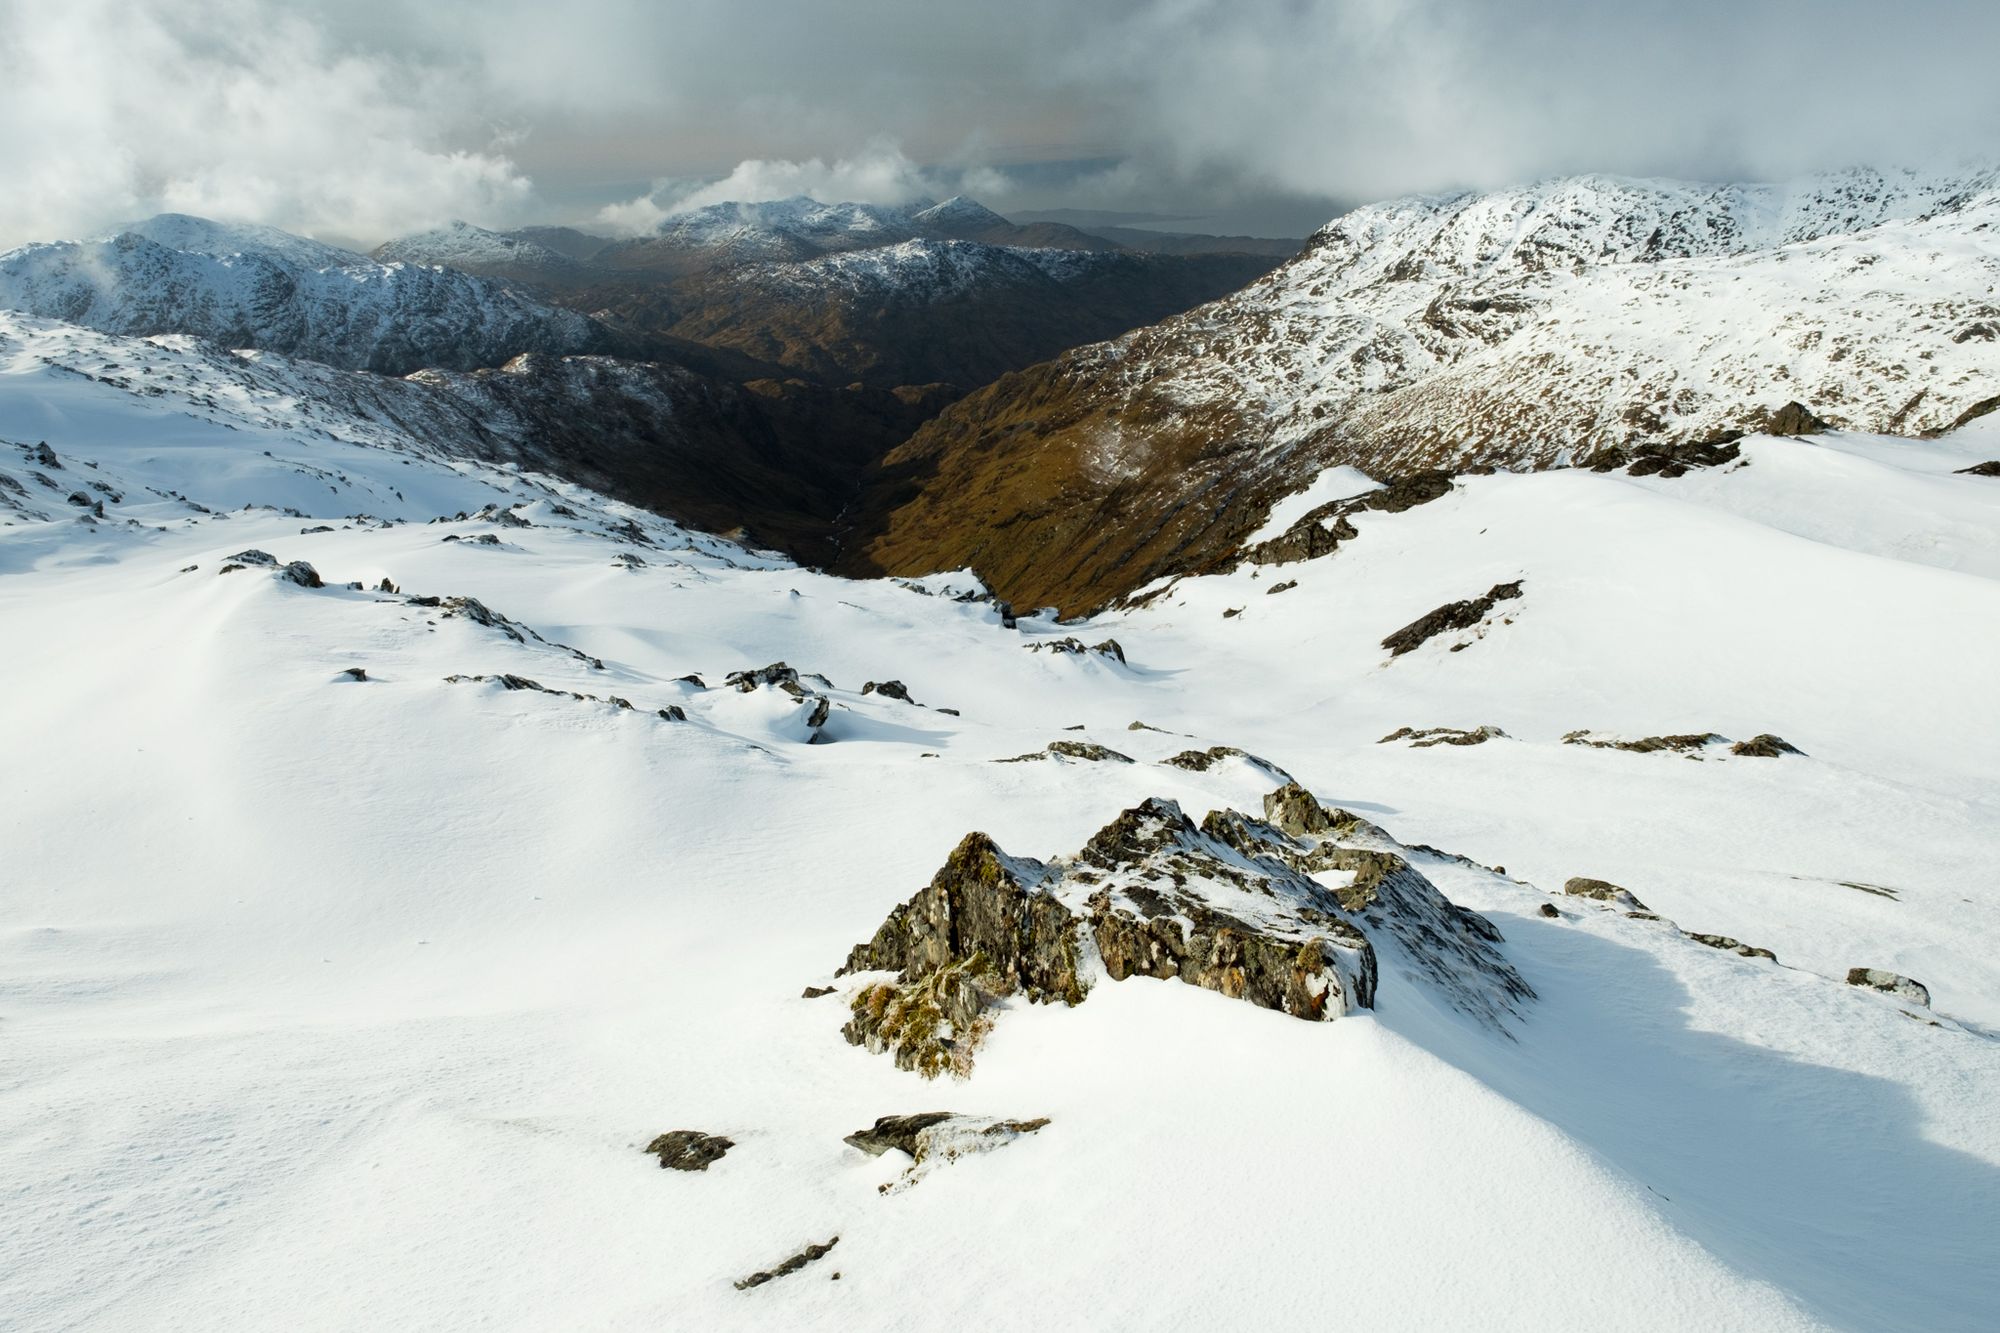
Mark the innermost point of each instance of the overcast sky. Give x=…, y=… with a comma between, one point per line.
x=361, y=119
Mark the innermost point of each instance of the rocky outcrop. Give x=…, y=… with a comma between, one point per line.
x=1429, y=736
x=300, y=573
x=1603, y=891
x=1764, y=746
x=1890, y=983
x=810, y=1254
x=1074, y=646
x=1235, y=905
x=1731, y=945
x=888, y=689
x=1200, y=761
x=938, y=1138
x=1684, y=743
x=1795, y=418
x=1990, y=468
x=1449, y=618
x=689, y=1149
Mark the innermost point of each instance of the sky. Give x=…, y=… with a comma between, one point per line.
x=357, y=120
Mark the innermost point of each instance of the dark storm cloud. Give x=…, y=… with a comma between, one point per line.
x=367, y=117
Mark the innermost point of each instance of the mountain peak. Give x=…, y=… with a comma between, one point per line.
x=220, y=240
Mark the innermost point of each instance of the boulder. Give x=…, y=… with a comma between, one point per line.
x=1603, y=891
x=1764, y=746
x=1889, y=983
x=689, y=1149
x=888, y=689
x=300, y=573
x=1795, y=418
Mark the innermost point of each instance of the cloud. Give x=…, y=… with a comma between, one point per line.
x=879, y=174
x=230, y=109
x=361, y=118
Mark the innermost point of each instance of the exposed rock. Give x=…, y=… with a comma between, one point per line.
x=695, y=681
x=821, y=709
x=814, y=992
x=938, y=1138
x=673, y=713
x=254, y=557
x=1733, y=946
x=1602, y=891
x=1088, y=750
x=1286, y=586
x=1070, y=644
x=1451, y=617
x=1990, y=468
x=45, y=456
x=1549, y=910
x=1322, y=530
x=809, y=1254
x=385, y=586
x=1795, y=418
x=888, y=689
x=777, y=674
x=1200, y=761
x=1683, y=743
x=1430, y=736
x=1764, y=746
x=1230, y=906
x=300, y=573
x=356, y=673
x=689, y=1149
x=1889, y=983
x=1665, y=460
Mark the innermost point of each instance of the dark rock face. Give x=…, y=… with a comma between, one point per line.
x=1889, y=983
x=1665, y=460
x=1075, y=646
x=1321, y=531
x=937, y=1138
x=1449, y=618
x=356, y=673
x=302, y=574
x=1991, y=468
x=888, y=689
x=1200, y=761
x=1795, y=418
x=673, y=713
x=1603, y=891
x=809, y=1254
x=689, y=1149
x=777, y=674
x=1549, y=910
x=1429, y=736
x=1230, y=906
x=254, y=557
x=1764, y=746
x=1089, y=750
x=1733, y=946
x=898, y=1132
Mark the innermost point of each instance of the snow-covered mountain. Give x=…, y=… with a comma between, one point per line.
x=1526, y=327
x=260, y=288
x=471, y=249
x=390, y=857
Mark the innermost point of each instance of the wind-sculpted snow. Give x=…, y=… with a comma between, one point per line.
x=283, y=294
x=358, y=938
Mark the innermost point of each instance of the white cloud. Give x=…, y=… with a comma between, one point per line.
x=232, y=109
x=879, y=174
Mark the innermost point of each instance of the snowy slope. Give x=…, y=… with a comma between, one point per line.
x=461, y=245
x=254, y=287
x=344, y=1004
x=1585, y=311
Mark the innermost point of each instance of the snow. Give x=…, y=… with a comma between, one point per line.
x=342, y=1005
x=1329, y=484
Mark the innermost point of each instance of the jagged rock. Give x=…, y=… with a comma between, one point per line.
x=1070, y=644
x=307, y=532
x=821, y=709
x=1683, y=743
x=1603, y=891
x=627, y=560
x=1321, y=531
x=254, y=557
x=300, y=573
x=673, y=713
x=809, y=1254
x=1764, y=746
x=689, y=1149
x=777, y=674
x=1200, y=761
x=385, y=586
x=45, y=456
x=1795, y=418
x=356, y=673
x=1088, y=750
x=888, y=689
x=814, y=992
x=1890, y=983
x=1230, y=906
x=1986, y=469
x=1430, y=736
x=695, y=681
x=1733, y=946
x=938, y=1138
x=1286, y=586
x=1448, y=618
